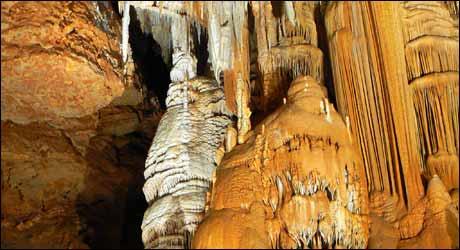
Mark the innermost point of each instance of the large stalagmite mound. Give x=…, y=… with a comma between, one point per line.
x=296, y=182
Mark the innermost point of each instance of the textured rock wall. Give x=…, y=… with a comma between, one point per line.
x=74, y=46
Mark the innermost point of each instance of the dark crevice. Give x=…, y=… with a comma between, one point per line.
x=277, y=8
x=323, y=45
x=256, y=82
x=148, y=60
x=201, y=51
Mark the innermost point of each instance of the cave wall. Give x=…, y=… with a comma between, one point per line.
x=76, y=127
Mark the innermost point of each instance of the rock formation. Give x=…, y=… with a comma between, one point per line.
x=377, y=89
x=431, y=49
x=175, y=124
x=296, y=182
x=181, y=160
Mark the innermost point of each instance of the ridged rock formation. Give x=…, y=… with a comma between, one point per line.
x=403, y=109
x=286, y=47
x=296, y=182
x=181, y=160
x=369, y=76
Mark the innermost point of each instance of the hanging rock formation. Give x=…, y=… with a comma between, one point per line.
x=286, y=48
x=401, y=109
x=367, y=78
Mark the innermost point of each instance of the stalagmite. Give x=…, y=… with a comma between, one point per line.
x=178, y=171
x=301, y=212
x=180, y=162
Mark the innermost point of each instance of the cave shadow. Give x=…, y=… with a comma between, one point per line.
x=323, y=45
x=111, y=205
x=147, y=56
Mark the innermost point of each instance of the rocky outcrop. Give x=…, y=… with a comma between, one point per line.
x=59, y=60
x=66, y=184
x=42, y=176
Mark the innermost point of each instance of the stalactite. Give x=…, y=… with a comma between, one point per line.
x=370, y=93
x=431, y=36
x=290, y=12
x=292, y=53
x=125, y=31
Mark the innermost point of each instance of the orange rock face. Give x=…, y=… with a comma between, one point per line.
x=59, y=59
x=67, y=166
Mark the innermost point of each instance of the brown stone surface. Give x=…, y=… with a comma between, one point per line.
x=118, y=120
x=68, y=185
x=42, y=176
x=59, y=59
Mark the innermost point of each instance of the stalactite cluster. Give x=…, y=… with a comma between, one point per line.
x=431, y=52
x=365, y=86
